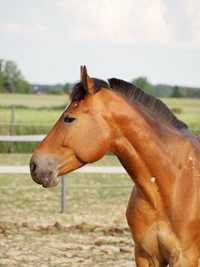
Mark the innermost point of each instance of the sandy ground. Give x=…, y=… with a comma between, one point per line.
x=25, y=244
x=92, y=233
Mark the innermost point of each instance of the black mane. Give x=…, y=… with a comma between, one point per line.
x=146, y=102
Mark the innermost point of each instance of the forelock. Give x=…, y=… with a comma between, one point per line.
x=78, y=91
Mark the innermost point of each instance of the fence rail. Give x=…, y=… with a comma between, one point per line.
x=21, y=138
x=8, y=169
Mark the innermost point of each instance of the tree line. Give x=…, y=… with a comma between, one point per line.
x=12, y=81
x=11, y=78
x=164, y=90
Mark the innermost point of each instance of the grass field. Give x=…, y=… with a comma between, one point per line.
x=93, y=232
x=53, y=105
x=189, y=110
x=34, y=101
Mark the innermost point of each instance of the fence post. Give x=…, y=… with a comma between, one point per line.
x=12, y=126
x=63, y=194
x=12, y=120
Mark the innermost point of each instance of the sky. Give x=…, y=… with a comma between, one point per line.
x=50, y=39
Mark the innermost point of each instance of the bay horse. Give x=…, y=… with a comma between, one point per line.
x=158, y=151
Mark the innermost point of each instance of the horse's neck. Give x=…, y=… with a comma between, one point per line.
x=148, y=160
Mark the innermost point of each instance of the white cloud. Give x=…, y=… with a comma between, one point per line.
x=117, y=21
x=192, y=13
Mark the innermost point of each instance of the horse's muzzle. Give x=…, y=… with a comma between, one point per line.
x=43, y=170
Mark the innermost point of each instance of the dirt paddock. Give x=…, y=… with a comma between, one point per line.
x=24, y=244
x=93, y=232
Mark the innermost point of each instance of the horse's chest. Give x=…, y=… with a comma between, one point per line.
x=161, y=241
x=140, y=216
x=151, y=230
x=155, y=237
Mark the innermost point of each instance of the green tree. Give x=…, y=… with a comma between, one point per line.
x=143, y=83
x=1, y=76
x=1, y=83
x=11, y=78
x=23, y=87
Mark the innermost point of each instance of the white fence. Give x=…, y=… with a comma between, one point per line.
x=10, y=169
x=21, y=138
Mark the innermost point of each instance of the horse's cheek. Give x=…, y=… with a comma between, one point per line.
x=92, y=149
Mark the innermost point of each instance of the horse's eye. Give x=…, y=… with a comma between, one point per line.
x=68, y=119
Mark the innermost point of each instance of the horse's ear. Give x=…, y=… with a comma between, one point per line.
x=88, y=83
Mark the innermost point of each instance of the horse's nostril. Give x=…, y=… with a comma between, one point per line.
x=33, y=166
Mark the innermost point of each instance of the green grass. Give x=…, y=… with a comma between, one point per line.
x=35, y=101
x=53, y=105
x=187, y=104
x=192, y=119
x=87, y=186
x=190, y=110
x=29, y=116
x=34, y=114
x=23, y=159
